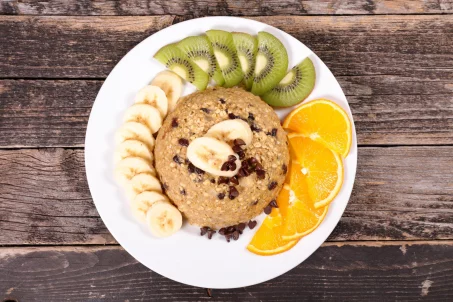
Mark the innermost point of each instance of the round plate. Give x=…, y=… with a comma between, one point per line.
x=187, y=257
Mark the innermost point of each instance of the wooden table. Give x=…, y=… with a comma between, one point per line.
x=394, y=60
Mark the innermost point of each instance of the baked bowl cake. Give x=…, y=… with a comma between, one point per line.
x=210, y=200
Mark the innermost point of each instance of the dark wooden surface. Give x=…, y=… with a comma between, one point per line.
x=394, y=60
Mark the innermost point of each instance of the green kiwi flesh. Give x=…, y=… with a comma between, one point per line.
x=294, y=87
x=177, y=61
x=199, y=50
x=271, y=63
x=246, y=47
x=226, y=56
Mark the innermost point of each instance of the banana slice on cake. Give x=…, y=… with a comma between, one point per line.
x=171, y=84
x=142, y=182
x=163, y=219
x=230, y=130
x=154, y=96
x=132, y=148
x=209, y=154
x=131, y=166
x=145, y=114
x=144, y=201
x=135, y=131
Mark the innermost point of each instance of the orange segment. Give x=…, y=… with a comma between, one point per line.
x=316, y=172
x=268, y=239
x=323, y=121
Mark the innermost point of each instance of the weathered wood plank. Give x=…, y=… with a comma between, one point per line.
x=350, y=272
x=43, y=47
x=220, y=8
x=401, y=193
x=43, y=113
x=402, y=46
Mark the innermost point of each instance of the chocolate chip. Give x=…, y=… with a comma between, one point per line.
x=230, y=230
x=222, y=231
x=231, y=116
x=210, y=233
x=212, y=180
x=183, y=142
x=284, y=169
x=258, y=167
x=222, y=101
x=252, y=161
x=203, y=231
x=241, y=226
x=267, y=210
x=252, y=224
x=177, y=160
x=233, y=193
x=251, y=116
x=199, y=171
x=182, y=191
x=191, y=168
x=239, y=142
x=235, y=235
x=205, y=110
x=274, y=132
x=272, y=185
x=243, y=172
x=246, y=171
x=232, y=158
x=237, y=148
x=255, y=128
x=225, y=166
x=164, y=187
x=234, y=180
x=232, y=166
x=241, y=154
x=174, y=122
x=244, y=164
x=255, y=203
x=273, y=203
x=261, y=174
x=221, y=196
x=223, y=180
x=228, y=237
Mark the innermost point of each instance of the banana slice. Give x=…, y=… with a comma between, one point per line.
x=132, y=148
x=137, y=131
x=129, y=167
x=163, y=219
x=154, y=96
x=209, y=154
x=144, y=201
x=231, y=129
x=142, y=182
x=171, y=84
x=145, y=114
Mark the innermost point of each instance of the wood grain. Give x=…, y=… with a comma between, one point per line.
x=43, y=47
x=387, y=110
x=350, y=272
x=400, y=193
x=224, y=7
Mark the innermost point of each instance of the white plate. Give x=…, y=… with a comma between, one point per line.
x=186, y=257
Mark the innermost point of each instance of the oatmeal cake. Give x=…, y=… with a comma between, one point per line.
x=213, y=201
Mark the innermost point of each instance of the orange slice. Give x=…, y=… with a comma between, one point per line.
x=268, y=239
x=317, y=171
x=323, y=121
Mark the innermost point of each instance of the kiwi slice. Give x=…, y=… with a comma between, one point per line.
x=271, y=63
x=177, y=61
x=199, y=50
x=246, y=47
x=294, y=87
x=225, y=53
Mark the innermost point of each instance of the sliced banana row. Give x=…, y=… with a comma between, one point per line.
x=210, y=152
x=133, y=156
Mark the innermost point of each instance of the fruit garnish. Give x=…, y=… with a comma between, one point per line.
x=323, y=121
x=271, y=63
x=154, y=96
x=226, y=56
x=319, y=170
x=246, y=47
x=177, y=61
x=268, y=239
x=294, y=87
x=199, y=50
x=171, y=84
